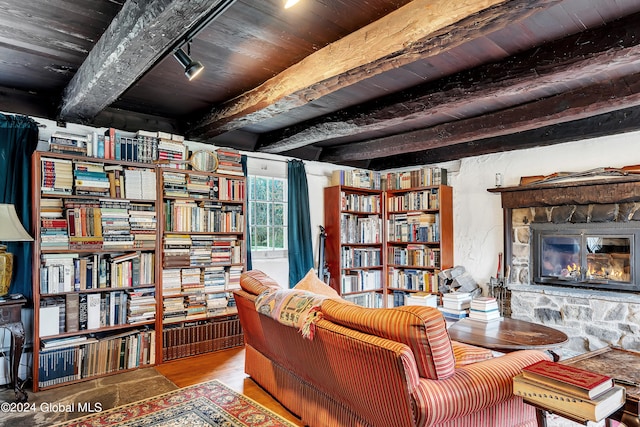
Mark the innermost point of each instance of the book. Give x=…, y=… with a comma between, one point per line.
x=49, y=320
x=554, y=400
x=569, y=379
x=93, y=311
x=72, y=312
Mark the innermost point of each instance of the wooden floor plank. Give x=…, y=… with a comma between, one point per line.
x=228, y=367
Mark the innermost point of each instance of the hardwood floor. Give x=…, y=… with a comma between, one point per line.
x=228, y=367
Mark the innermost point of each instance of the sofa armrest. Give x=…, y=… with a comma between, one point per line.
x=473, y=387
x=466, y=354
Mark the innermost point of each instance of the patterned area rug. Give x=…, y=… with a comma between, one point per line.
x=207, y=404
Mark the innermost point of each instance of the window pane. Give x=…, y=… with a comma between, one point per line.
x=252, y=213
x=277, y=214
x=252, y=192
x=278, y=238
x=261, y=189
x=277, y=190
x=261, y=213
x=259, y=238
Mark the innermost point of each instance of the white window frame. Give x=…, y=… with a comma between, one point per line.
x=269, y=253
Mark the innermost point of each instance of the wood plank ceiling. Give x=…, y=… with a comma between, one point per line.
x=378, y=83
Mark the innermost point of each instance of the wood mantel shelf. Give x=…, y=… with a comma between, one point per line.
x=624, y=189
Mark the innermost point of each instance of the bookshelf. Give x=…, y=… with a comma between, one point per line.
x=202, y=228
x=94, y=290
x=419, y=230
x=391, y=239
x=134, y=263
x=354, y=244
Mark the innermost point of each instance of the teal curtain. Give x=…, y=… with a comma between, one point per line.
x=18, y=141
x=247, y=231
x=299, y=236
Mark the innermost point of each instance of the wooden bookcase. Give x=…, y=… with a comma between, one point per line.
x=202, y=228
x=354, y=244
x=419, y=237
x=104, y=232
x=94, y=267
x=415, y=237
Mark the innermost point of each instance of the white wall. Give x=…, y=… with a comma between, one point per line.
x=478, y=228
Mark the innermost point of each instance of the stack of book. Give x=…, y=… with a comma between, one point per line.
x=229, y=162
x=69, y=143
x=455, y=305
x=570, y=391
x=90, y=179
x=484, y=309
x=359, y=178
x=171, y=147
x=422, y=298
x=57, y=176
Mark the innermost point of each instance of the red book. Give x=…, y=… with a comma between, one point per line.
x=567, y=378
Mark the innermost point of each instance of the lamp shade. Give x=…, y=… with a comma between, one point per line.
x=11, y=229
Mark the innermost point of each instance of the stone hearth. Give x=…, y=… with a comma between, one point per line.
x=591, y=318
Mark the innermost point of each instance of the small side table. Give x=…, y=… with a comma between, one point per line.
x=10, y=318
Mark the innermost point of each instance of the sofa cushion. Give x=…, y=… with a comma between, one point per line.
x=255, y=282
x=291, y=307
x=421, y=328
x=311, y=283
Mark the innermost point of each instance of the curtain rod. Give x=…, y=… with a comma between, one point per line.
x=266, y=158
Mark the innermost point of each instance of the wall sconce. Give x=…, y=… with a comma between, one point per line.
x=191, y=68
x=11, y=230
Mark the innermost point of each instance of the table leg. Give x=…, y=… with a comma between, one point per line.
x=541, y=417
x=17, y=342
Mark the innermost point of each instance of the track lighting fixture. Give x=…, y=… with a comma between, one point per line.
x=191, y=68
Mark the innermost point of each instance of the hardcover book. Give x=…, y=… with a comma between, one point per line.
x=554, y=400
x=569, y=379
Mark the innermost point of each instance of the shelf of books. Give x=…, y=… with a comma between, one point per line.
x=94, y=287
x=202, y=259
x=419, y=233
x=354, y=243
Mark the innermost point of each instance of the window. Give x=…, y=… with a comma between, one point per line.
x=267, y=214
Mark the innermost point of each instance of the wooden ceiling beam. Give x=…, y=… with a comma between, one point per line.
x=418, y=30
x=140, y=35
x=577, y=61
x=574, y=105
x=616, y=122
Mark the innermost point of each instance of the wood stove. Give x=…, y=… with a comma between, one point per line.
x=595, y=255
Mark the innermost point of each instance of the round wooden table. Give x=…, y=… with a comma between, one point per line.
x=507, y=335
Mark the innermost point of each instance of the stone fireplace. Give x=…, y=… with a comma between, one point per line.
x=594, y=307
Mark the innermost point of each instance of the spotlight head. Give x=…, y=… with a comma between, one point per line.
x=191, y=68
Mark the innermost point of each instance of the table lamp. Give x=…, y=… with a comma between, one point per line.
x=11, y=230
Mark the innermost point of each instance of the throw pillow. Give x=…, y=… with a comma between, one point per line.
x=311, y=283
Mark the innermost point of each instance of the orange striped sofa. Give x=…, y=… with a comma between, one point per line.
x=378, y=367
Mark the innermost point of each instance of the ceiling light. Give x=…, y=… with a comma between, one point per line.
x=289, y=3
x=191, y=68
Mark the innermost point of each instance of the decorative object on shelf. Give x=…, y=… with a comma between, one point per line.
x=11, y=230
x=204, y=161
x=200, y=160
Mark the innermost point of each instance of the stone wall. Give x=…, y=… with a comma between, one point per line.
x=591, y=318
